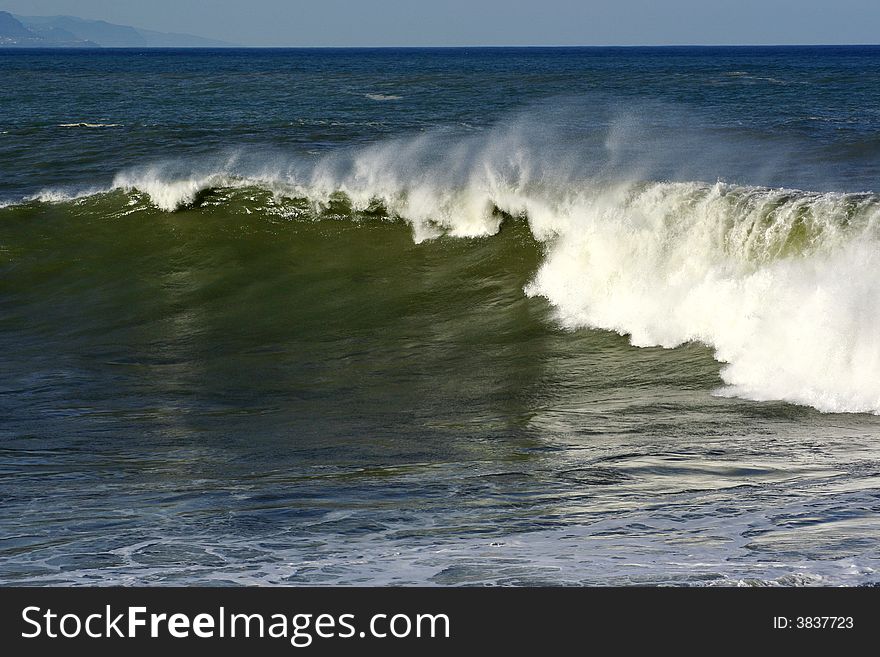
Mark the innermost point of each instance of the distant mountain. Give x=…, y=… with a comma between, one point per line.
x=11, y=28
x=13, y=33
x=175, y=40
x=69, y=31
x=104, y=34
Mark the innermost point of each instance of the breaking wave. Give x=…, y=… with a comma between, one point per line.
x=783, y=284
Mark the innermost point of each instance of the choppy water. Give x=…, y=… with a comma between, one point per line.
x=516, y=316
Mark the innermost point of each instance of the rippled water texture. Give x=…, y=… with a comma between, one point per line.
x=493, y=316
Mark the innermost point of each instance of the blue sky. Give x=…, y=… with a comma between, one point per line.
x=486, y=22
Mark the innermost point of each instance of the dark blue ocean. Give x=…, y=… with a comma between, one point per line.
x=509, y=316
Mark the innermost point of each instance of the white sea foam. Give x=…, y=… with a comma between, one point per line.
x=677, y=263
x=172, y=194
x=381, y=97
x=63, y=195
x=89, y=125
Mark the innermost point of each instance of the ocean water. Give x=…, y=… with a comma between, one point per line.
x=466, y=316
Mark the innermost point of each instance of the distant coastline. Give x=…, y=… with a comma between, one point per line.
x=72, y=32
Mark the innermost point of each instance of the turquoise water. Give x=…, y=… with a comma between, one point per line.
x=509, y=316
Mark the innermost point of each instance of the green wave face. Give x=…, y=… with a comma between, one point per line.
x=218, y=307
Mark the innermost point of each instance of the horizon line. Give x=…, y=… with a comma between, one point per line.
x=453, y=47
